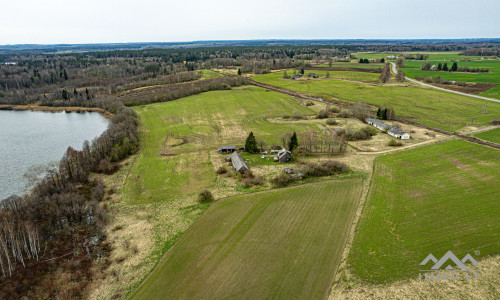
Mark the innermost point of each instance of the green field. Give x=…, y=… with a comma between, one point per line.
x=177, y=136
x=346, y=75
x=282, y=244
x=353, y=64
x=429, y=200
x=491, y=135
x=426, y=106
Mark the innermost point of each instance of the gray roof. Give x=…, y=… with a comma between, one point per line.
x=378, y=123
x=396, y=131
x=238, y=162
x=227, y=148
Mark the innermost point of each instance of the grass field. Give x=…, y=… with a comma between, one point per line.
x=280, y=244
x=426, y=106
x=429, y=200
x=177, y=136
x=353, y=64
x=491, y=135
x=345, y=75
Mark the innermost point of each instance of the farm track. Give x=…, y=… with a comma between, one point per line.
x=394, y=69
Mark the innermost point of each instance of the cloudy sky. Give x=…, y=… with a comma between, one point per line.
x=104, y=21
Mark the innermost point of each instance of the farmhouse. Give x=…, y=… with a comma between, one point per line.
x=226, y=149
x=398, y=133
x=378, y=124
x=312, y=75
x=283, y=156
x=238, y=162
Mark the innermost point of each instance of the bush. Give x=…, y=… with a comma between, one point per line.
x=205, y=196
x=395, y=143
x=331, y=122
x=364, y=133
x=495, y=122
x=221, y=170
x=334, y=109
x=345, y=114
x=309, y=103
x=322, y=114
x=297, y=115
x=325, y=168
x=283, y=180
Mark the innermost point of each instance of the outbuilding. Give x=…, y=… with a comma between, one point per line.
x=398, y=133
x=238, y=162
x=226, y=149
x=283, y=156
x=378, y=124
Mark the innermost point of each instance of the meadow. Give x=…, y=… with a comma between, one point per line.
x=177, y=136
x=490, y=135
x=428, y=200
x=344, y=75
x=282, y=244
x=422, y=105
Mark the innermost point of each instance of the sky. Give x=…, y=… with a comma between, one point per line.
x=113, y=21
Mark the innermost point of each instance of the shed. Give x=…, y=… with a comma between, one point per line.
x=283, y=156
x=313, y=75
x=238, y=162
x=226, y=149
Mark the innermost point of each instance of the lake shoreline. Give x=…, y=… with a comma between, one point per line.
x=68, y=109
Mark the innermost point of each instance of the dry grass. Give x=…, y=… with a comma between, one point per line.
x=486, y=287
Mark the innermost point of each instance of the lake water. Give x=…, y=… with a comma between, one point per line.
x=29, y=140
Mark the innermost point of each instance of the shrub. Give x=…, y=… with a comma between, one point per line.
x=495, y=122
x=345, y=114
x=283, y=180
x=395, y=143
x=309, y=103
x=297, y=115
x=205, y=196
x=221, y=170
x=325, y=168
x=322, y=114
x=334, y=109
x=364, y=133
x=331, y=122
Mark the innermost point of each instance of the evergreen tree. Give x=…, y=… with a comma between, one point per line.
x=384, y=114
x=65, y=95
x=445, y=67
x=302, y=70
x=454, y=67
x=293, y=142
x=379, y=113
x=251, y=144
x=440, y=67
x=239, y=71
x=65, y=75
x=75, y=92
x=382, y=60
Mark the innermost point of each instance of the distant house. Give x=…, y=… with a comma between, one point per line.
x=238, y=162
x=378, y=124
x=298, y=76
x=433, y=68
x=398, y=133
x=226, y=149
x=283, y=156
x=313, y=75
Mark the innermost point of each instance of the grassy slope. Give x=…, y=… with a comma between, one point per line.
x=430, y=107
x=281, y=244
x=491, y=135
x=206, y=121
x=429, y=200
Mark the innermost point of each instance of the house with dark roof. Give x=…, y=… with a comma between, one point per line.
x=226, y=149
x=239, y=163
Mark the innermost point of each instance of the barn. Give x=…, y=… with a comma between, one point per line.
x=378, y=124
x=398, y=133
x=283, y=156
x=238, y=162
x=226, y=149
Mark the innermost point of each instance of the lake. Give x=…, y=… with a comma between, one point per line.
x=30, y=140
